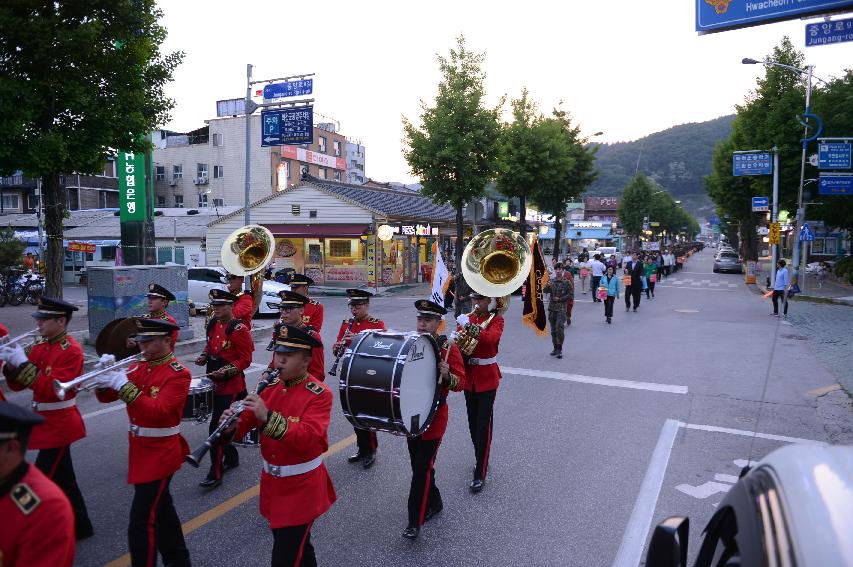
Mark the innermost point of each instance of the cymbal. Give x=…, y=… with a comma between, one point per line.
x=113, y=338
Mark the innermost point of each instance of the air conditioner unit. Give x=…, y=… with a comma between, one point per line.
x=201, y=181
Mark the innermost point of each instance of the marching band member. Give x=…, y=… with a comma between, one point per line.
x=244, y=305
x=3, y=332
x=481, y=385
x=424, y=497
x=227, y=354
x=158, y=301
x=313, y=316
x=359, y=304
x=57, y=356
x=293, y=416
x=292, y=309
x=38, y=524
x=155, y=391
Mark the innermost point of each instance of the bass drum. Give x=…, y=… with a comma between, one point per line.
x=389, y=382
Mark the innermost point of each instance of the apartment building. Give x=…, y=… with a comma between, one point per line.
x=355, y=162
x=19, y=193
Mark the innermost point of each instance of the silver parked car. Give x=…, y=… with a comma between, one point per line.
x=728, y=262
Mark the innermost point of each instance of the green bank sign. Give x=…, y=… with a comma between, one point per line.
x=131, y=186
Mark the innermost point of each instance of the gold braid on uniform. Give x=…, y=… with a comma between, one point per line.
x=230, y=370
x=452, y=381
x=276, y=425
x=25, y=374
x=129, y=392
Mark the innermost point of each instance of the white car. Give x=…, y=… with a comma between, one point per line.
x=203, y=279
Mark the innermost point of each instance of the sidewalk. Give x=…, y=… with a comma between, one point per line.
x=334, y=291
x=832, y=291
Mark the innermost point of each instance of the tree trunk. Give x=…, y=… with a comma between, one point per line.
x=748, y=239
x=54, y=211
x=558, y=230
x=522, y=213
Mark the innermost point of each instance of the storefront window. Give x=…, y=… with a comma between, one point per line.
x=345, y=260
x=314, y=260
x=392, y=261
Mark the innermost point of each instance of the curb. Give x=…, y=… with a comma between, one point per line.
x=812, y=298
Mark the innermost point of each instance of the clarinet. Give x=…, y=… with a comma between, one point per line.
x=334, y=370
x=196, y=456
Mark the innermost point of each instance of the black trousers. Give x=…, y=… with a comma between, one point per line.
x=221, y=451
x=608, y=306
x=57, y=466
x=650, y=289
x=595, y=282
x=292, y=547
x=423, y=493
x=155, y=526
x=366, y=441
x=633, y=292
x=480, y=406
x=777, y=294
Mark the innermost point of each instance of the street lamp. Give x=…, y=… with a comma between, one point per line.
x=806, y=139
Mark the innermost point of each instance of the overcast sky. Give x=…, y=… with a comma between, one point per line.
x=627, y=68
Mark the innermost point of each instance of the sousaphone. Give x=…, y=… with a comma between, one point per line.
x=246, y=252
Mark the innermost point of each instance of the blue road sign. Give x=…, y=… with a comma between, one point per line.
x=760, y=204
x=287, y=126
x=834, y=155
x=759, y=163
x=839, y=184
x=721, y=15
x=289, y=88
x=714, y=220
x=824, y=33
x=806, y=234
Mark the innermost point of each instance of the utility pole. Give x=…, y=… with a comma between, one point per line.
x=250, y=108
x=775, y=215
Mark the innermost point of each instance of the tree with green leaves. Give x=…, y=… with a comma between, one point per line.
x=634, y=204
x=11, y=248
x=454, y=149
x=78, y=80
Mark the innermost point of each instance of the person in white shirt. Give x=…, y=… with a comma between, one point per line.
x=598, y=270
x=780, y=288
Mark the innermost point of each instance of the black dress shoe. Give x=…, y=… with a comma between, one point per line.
x=554, y=352
x=355, y=458
x=560, y=355
x=227, y=467
x=432, y=512
x=368, y=461
x=84, y=532
x=210, y=482
x=411, y=532
x=477, y=484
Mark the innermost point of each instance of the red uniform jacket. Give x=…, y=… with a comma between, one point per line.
x=244, y=308
x=166, y=317
x=3, y=332
x=485, y=378
x=313, y=315
x=439, y=421
x=155, y=397
x=295, y=433
x=317, y=366
x=236, y=349
x=365, y=324
x=38, y=525
x=60, y=358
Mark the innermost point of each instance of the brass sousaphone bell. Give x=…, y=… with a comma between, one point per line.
x=247, y=250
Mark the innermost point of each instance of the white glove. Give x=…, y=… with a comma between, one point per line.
x=463, y=320
x=114, y=380
x=14, y=355
x=105, y=360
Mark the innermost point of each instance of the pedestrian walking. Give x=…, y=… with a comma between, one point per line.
x=634, y=269
x=608, y=288
x=780, y=288
x=583, y=256
x=650, y=272
x=597, y=271
x=570, y=299
x=584, y=270
x=559, y=290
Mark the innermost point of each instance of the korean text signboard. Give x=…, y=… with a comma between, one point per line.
x=834, y=155
x=287, y=126
x=86, y=247
x=760, y=163
x=289, y=88
x=824, y=33
x=760, y=204
x=131, y=186
x=371, y=261
x=838, y=184
x=721, y=15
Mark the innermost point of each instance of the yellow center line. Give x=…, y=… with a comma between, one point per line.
x=221, y=509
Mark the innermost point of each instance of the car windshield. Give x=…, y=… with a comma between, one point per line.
x=729, y=255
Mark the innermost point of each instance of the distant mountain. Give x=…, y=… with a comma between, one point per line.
x=677, y=158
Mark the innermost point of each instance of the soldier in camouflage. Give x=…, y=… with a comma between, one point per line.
x=561, y=291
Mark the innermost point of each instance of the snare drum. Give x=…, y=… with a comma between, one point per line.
x=389, y=382
x=199, y=404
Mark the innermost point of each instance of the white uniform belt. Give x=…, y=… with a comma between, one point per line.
x=137, y=431
x=482, y=361
x=47, y=406
x=292, y=470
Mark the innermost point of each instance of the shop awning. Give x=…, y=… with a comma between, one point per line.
x=318, y=230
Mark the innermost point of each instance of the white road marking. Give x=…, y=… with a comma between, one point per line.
x=631, y=549
x=703, y=491
x=745, y=433
x=740, y=463
x=650, y=386
x=695, y=288
x=725, y=478
x=109, y=409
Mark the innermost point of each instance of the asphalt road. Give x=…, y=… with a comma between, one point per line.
x=648, y=417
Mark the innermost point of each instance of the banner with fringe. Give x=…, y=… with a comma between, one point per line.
x=534, y=315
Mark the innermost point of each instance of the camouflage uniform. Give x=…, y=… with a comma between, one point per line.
x=560, y=290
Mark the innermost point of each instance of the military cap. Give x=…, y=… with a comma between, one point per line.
x=148, y=329
x=221, y=297
x=14, y=419
x=156, y=290
x=427, y=308
x=300, y=279
x=292, y=299
x=293, y=339
x=358, y=296
x=475, y=295
x=49, y=308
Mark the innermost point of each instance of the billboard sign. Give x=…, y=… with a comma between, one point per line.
x=722, y=15
x=755, y=163
x=834, y=155
x=131, y=186
x=287, y=126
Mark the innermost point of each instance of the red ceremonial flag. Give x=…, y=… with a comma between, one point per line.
x=534, y=315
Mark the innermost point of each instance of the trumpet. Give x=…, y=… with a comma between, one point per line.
x=61, y=389
x=6, y=341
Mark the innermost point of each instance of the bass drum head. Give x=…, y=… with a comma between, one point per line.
x=418, y=387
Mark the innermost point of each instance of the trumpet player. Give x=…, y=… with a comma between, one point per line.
x=313, y=315
x=55, y=356
x=227, y=354
x=482, y=378
x=292, y=308
x=293, y=417
x=424, y=497
x=3, y=333
x=359, y=305
x=155, y=391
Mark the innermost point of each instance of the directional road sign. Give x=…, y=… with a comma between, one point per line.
x=824, y=33
x=806, y=234
x=757, y=163
x=287, y=126
x=760, y=204
x=720, y=15
x=773, y=235
x=289, y=88
x=834, y=155
x=836, y=184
